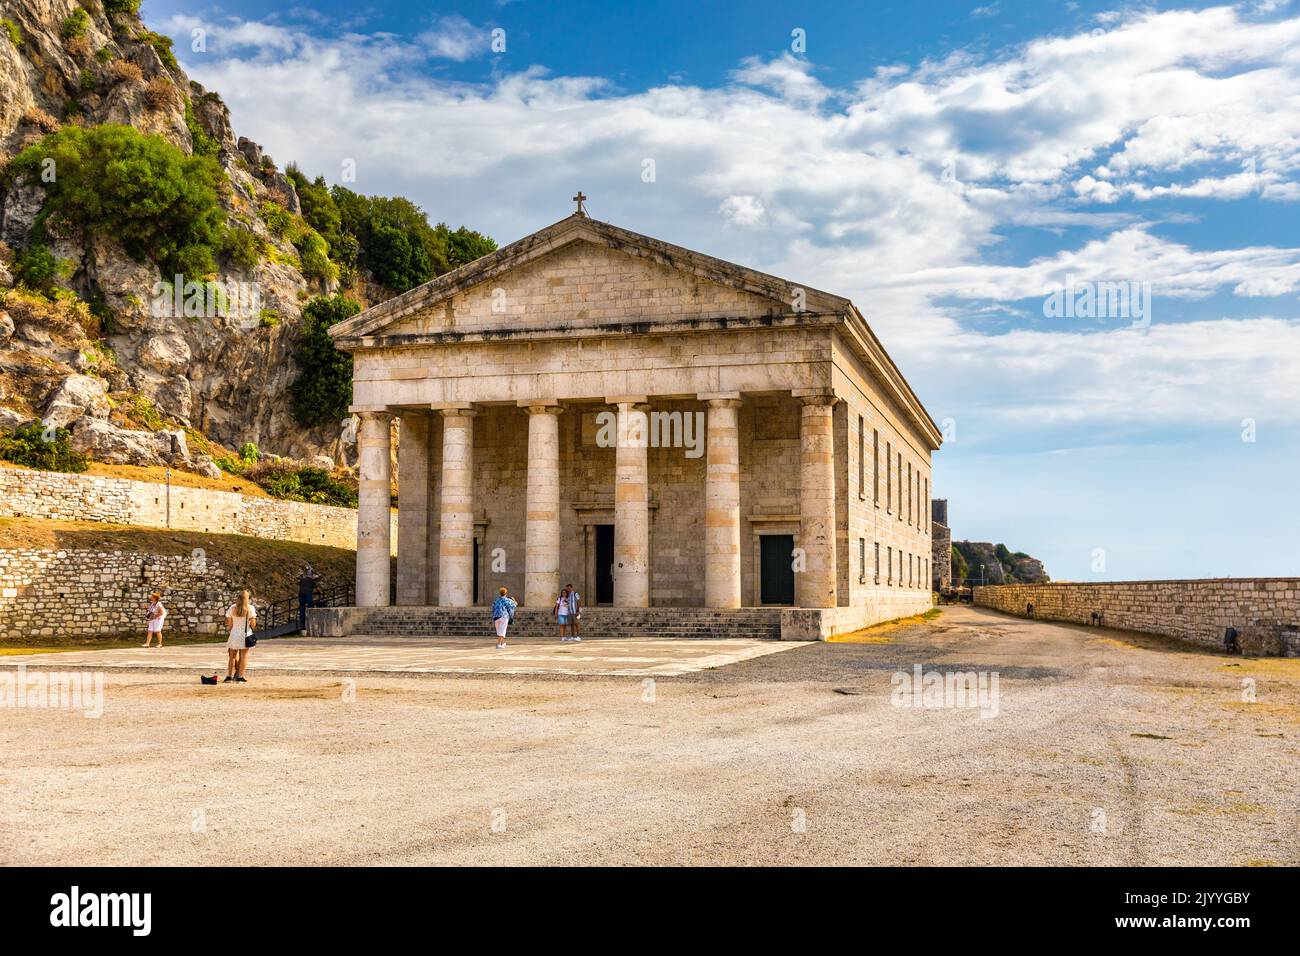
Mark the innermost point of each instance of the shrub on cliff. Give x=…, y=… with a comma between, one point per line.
x=74, y=24
x=28, y=445
x=38, y=269
x=323, y=392
x=115, y=182
x=314, y=485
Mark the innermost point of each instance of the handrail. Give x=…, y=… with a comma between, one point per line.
x=286, y=611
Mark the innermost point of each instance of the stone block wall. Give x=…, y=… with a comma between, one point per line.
x=884, y=546
x=940, y=548
x=68, y=497
x=1265, y=611
x=107, y=592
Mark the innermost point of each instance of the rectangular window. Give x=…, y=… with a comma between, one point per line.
x=889, y=556
x=875, y=470
x=900, y=497
x=862, y=462
x=877, y=562
x=925, y=505
x=909, y=492
x=862, y=560
x=889, y=477
x=909, y=570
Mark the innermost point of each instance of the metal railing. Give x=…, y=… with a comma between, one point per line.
x=285, y=616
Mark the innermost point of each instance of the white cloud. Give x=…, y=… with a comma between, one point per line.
x=454, y=38
x=846, y=189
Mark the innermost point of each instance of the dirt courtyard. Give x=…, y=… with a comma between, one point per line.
x=1100, y=747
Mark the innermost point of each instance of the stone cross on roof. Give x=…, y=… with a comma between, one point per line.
x=580, y=199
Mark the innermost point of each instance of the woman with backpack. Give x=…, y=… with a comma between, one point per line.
x=241, y=618
x=503, y=613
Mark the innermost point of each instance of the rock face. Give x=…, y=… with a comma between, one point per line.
x=228, y=376
x=120, y=446
x=1000, y=565
x=78, y=395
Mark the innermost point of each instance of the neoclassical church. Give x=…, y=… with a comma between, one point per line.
x=680, y=437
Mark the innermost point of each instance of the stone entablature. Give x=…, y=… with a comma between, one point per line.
x=500, y=372
x=1265, y=611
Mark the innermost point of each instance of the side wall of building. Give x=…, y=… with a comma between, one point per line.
x=885, y=473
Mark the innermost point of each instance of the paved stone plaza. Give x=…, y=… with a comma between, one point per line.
x=361, y=655
x=1107, y=749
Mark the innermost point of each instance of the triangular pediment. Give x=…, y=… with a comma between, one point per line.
x=580, y=273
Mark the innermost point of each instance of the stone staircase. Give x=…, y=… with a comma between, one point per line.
x=597, y=622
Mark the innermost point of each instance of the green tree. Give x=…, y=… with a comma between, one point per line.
x=318, y=208
x=464, y=245
x=397, y=244
x=960, y=570
x=323, y=391
x=114, y=182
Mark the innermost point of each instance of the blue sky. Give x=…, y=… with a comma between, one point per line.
x=947, y=165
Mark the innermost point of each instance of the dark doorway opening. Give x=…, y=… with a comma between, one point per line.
x=604, y=564
x=476, y=597
x=776, y=575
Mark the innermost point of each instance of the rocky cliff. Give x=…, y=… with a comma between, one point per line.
x=135, y=381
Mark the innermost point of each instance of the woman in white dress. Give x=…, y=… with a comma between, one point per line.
x=156, y=615
x=241, y=619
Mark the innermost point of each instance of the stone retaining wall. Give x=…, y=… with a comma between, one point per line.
x=67, y=497
x=1265, y=611
x=106, y=592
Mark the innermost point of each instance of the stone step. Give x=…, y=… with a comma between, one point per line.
x=474, y=622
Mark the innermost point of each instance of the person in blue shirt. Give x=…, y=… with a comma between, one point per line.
x=503, y=612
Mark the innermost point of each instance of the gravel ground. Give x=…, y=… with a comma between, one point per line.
x=1106, y=748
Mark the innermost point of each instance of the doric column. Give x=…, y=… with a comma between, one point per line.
x=542, y=520
x=722, y=506
x=456, y=510
x=815, y=585
x=413, y=508
x=631, y=508
x=374, y=516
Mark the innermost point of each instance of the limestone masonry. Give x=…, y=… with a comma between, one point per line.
x=656, y=426
x=67, y=497
x=1264, y=611
x=82, y=593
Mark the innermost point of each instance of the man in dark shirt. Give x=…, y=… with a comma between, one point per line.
x=306, y=593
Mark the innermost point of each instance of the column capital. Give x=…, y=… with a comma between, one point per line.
x=724, y=402
x=372, y=412
x=455, y=411
x=712, y=397
x=815, y=396
x=541, y=406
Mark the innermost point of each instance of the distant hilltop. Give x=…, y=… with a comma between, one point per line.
x=999, y=564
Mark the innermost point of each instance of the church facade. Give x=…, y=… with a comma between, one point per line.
x=658, y=427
